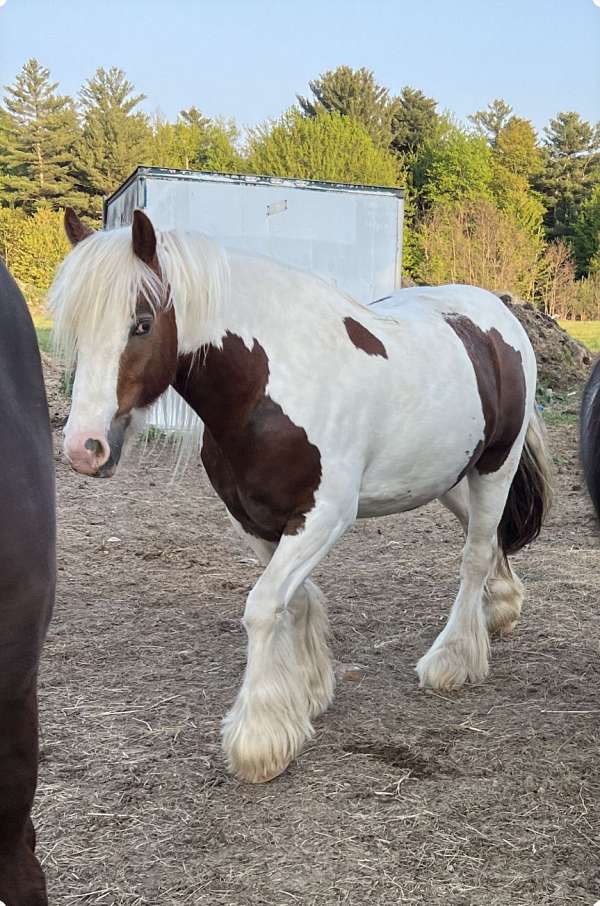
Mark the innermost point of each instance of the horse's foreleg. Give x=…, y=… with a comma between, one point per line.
x=310, y=628
x=460, y=652
x=503, y=595
x=271, y=717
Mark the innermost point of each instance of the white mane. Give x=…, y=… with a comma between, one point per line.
x=102, y=279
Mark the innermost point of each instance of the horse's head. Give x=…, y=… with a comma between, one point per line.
x=112, y=309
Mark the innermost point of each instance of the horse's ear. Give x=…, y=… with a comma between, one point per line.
x=144, y=237
x=75, y=228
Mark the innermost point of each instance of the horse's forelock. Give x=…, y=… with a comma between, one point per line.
x=103, y=279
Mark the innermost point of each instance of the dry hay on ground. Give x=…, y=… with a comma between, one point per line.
x=486, y=796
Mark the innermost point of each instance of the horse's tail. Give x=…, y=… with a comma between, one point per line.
x=590, y=436
x=530, y=495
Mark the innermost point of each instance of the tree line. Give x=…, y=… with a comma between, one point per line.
x=487, y=202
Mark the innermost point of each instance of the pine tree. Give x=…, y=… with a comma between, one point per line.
x=353, y=93
x=490, y=122
x=413, y=119
x=39, y=130
x=115, y=138
x=572, y=169
x=586, y=234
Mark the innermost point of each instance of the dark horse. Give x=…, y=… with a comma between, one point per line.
x=590, y=436
x=27, y=577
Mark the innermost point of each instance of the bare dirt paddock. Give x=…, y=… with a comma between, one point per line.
x=489, y=796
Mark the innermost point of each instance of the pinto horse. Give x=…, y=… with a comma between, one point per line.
x=27, y=552
x=316, y=411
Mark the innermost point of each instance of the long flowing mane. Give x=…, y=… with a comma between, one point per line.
x=102, y=278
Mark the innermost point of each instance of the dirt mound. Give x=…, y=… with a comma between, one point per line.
x=563, y=363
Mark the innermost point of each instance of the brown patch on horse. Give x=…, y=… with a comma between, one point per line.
x=498, y=368
x=364, y=339
x=148, y=363
x=261, y=464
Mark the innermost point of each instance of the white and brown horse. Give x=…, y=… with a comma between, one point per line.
x=316, y=411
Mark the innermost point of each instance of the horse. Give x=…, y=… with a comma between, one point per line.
x=589, y=436
x=316, y=410
x=27, y=579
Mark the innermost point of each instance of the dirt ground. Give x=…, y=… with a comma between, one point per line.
x=488, y=796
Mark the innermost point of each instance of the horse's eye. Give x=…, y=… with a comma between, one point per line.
x=142, y=327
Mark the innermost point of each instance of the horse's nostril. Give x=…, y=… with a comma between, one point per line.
x=94, y=446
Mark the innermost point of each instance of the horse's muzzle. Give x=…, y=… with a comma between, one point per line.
x=98, y=456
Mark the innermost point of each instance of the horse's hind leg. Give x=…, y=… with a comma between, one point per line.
x=461, y=650
x=503, y=595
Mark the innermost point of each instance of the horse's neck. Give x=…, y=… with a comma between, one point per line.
x=222, y=384
x=272, y=313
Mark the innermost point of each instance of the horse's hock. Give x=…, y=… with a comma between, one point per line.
x=563, y=363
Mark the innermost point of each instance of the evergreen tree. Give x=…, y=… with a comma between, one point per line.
x=572, y=169
x=115, y=138
x=490, y=122
x=413, y=120
x=353, y=93
x=39, y=131
x=586, y=234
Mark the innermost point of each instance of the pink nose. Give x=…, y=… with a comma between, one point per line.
x=87, y=453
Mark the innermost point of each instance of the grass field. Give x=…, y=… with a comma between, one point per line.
x=43, y=329
x=587, y=332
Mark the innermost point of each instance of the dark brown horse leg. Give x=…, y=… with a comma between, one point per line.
x=21, y=878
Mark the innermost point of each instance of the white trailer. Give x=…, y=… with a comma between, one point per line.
x=348, y=234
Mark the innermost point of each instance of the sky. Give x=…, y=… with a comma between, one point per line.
x=247, y=59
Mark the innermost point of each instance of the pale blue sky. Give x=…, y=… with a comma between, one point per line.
x=248, y=58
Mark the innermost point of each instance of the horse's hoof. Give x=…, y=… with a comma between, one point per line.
x=259, y=744
x=449, y=666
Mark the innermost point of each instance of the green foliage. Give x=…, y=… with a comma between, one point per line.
x=413, y=120
x=490, y=122
x=328, y=146
x=32, y=247
x=195, y=142
x=38, y=129
x=115, y=139
x=572, y=169
x=452, y=166
x=353, y=93
x=586, y=234
x=473, y=242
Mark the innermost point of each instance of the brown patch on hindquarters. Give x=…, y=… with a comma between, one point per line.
x=364, y=339
x=500, y=379
x=260, y=463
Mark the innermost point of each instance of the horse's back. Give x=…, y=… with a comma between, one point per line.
x=481, y=306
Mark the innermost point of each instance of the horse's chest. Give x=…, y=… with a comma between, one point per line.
x=266, y=472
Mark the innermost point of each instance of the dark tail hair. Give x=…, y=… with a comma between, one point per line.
x=590, y=436
x=530, y=495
